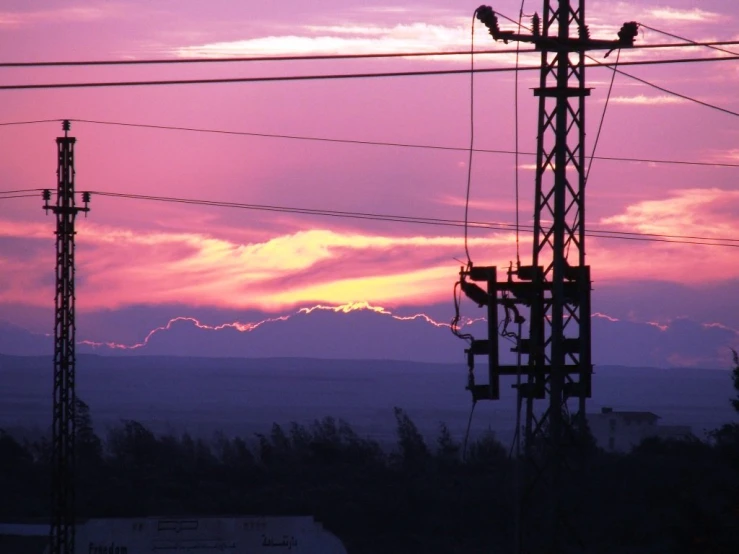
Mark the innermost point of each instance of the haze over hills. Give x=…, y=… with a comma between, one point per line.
x=356, y=364
x=365, y=332
x=239, y=395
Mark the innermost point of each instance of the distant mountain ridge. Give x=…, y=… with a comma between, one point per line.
x=367, y=332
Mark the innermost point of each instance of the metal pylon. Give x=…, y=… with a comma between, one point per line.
x=552, y=295
x=62, y=530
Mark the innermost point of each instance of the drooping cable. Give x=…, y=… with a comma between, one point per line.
x=657, y=87
x=335, y=76
x=433, y=221
x=515, y=117
x=578, y=214
x=472, y=138
x=668, y=91
x=18, y=196
x=9, y=123
x=246, y=59
x=602, y=117
x=467, y=432
x=454, y=326
x=19, y=190
x=315, y=57
x=693, y=42
x=381, y=143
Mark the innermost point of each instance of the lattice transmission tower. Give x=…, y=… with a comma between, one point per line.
x=552, y=295
x=62, y=532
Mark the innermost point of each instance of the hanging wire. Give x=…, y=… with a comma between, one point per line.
x=595, y=144
x=467, y=432
x=376, y=143
x=603, y=116
x=696, y=43
x=515, y=109
x=454, y=326
x=472, y=138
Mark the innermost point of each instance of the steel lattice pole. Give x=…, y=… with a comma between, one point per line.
x=62, y=532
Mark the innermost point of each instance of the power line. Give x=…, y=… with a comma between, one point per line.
x=363, y=142
x=497, y=226
x=614, y=67
x=19, y=190
x=246, y=59
x=384, y=143
x=338, y=76
x=623, y=235
x=692, y=42
x=318, y=57
x=19, y=196
x=668, y=91
x=9, y=123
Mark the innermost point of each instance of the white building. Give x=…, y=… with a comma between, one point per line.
x=193, y=535
x=621, y=431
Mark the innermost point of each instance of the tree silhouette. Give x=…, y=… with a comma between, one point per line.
x=735, y=378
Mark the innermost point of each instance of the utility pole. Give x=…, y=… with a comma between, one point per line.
x=63, y=412
x=554, y=291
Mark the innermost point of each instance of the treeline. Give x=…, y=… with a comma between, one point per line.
x=665, y=496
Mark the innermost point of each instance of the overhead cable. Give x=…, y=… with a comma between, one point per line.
x=497, y=226
x=384, y=143
x=364, y=142
x=336, y=76
x=623, y=235
x=692, y=42
x=668, y=91
x=644, y=81
x=18, y=196
x=319, y=57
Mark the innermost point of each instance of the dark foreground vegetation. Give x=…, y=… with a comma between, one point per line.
x=419, y=498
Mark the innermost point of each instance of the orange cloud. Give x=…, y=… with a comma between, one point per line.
x=118, y=267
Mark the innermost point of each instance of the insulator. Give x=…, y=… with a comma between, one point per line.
x=86, y=197
x=628, y=32
x=536, y=25
x=585, y=32
x=475, y=293
x=66, y=125
x=46, y=195
x=487, y=16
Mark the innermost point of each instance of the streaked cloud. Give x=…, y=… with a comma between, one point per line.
x=497, y=205
x=684, y=215
x=656, y=15
x=707, y=212
x=340, y=39
x=80, y=13
x=675, y=14
x=642, y=100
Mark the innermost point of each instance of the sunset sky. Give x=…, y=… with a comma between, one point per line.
x=141, y=263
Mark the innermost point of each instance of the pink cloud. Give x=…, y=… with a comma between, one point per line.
x=79, y=13
x=696, y=211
